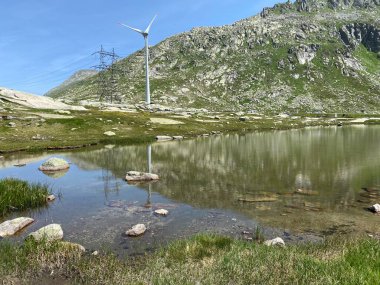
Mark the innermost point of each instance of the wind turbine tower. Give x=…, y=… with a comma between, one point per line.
x=145, y=35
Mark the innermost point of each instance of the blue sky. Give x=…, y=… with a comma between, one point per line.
x=43, y=42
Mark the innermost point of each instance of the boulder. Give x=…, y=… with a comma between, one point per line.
x=54, y=164
x=49, y=233
x=276, y=241
x=9, y=228
x=109, y=134
x=161, y=212
x=164, y=138
x=375, y=208
x=140, y=176
x=136, y=230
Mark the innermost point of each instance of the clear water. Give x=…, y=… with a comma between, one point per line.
x=203, y=182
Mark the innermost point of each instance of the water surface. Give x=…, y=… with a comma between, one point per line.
x=203, y=183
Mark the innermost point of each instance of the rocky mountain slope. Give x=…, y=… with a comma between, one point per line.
x=307, y=56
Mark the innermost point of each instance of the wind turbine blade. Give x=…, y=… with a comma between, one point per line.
x=134, y=29
x=150, y=24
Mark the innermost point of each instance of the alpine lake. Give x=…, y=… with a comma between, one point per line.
x=301, y=185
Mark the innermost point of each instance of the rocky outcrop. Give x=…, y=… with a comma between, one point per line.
x=359, y=33
x=342, y=4
x=305, y=54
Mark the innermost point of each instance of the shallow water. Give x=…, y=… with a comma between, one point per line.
x=203, y=183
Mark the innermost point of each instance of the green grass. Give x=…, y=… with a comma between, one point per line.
x=18, y=195
x=203, y=259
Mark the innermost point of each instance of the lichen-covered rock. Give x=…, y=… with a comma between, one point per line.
x=49, y=233
x=9, y=228
x=54, y=164
x=140, y=176
x=136, y=230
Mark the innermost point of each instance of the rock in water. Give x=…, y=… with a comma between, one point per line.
x=9, y=228
x=140, y=176
x=136, y=230
x=277, y=241
x=162, y=212
x=54, y=164
x=164, y=138
x=49, y=233
x=50, y=198
x=375, y=208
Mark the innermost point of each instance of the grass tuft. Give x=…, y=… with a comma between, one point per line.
x=18, y=195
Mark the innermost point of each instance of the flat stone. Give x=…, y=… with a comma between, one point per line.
x=54, y=164
x=140, y=176
x=164, y=138
x=9, y=228
x=136, y=230
x=375, y=208
x=161, y=212
x=49, y=233
x=276, y=241
x=109, y=134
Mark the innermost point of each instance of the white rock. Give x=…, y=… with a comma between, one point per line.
x=164, y=138
x=9, y=228
x=49, y=233
x=162, y=212
x=375, y=208
x=136, y=230
x=50, y=198
x=109, y=133
x=140, y=176
x=276, y=241
x=54, y=164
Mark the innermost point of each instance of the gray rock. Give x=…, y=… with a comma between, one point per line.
x=9, y=228
x=136, y=230
x=49, y=233
x=140, y=176
x=276, y=241
x=12, y=124
x=54, y=164
x=50, y=198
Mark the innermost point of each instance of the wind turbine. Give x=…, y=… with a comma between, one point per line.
x=145, y=35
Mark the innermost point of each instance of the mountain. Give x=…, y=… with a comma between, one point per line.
x=77, y=76
x=306, y=56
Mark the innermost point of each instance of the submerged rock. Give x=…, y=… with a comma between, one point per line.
x=276, y=241
x=136, y=230
x=54, y=164
x=49, y=233
x=9, y=228
x=177, y=138
x=140, y=176
x=375, y=208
